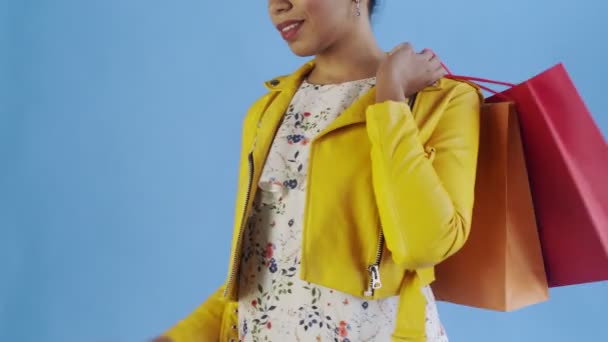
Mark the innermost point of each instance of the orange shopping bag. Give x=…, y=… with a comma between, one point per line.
x=501, y=265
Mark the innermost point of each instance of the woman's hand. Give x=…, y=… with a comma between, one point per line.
x=405, y=72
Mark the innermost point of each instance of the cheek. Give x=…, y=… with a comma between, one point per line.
x=326, y=16
x=316, y=7
x=327, y=20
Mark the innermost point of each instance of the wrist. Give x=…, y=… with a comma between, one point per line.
x=389, y=91
x=389, y=95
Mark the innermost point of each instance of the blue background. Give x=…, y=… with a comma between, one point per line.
x=119, y=135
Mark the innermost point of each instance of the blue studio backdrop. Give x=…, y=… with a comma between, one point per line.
x=119, y=138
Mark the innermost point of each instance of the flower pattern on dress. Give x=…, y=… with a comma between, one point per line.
x=274, y=303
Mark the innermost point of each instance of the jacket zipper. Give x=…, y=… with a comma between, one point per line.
x=374, y=269
x=250, y=161
x=237, y=258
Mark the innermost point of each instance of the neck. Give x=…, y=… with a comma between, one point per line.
x=356, y=56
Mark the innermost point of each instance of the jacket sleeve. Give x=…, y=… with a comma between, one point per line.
x=425, y=204
x=204, y=324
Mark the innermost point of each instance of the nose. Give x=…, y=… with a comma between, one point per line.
x=277, y=7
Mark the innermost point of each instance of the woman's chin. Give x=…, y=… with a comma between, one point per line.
x=301, y=50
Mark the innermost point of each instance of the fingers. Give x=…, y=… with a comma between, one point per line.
x=432, y=57
x=422, y=68
x=434, y=64
x=427, y=54
x=441, y=70
x=402, y=47
x=439, y=73
x=437, y=65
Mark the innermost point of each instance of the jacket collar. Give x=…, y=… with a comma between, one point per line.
x=295, y=79
x=286, y=86
x=290, y=81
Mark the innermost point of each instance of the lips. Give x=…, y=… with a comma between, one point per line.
x=289, y=29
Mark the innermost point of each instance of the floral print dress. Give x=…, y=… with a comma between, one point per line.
x=274, y=303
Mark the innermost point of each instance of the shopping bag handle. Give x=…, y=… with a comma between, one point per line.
x=477, y=80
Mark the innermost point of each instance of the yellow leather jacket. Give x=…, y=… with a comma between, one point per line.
x=389, y=195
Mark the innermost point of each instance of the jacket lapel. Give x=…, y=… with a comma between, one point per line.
x=270, y=120
x=286, y=86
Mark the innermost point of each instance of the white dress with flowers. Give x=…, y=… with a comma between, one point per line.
x=274, y=303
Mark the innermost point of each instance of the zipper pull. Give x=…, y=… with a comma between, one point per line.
x=375, y=283
x=374, y=271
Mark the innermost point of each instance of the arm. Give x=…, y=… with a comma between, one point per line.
x=425, y=205
x=203, y=324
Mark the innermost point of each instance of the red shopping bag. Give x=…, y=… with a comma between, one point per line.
x=567, y=160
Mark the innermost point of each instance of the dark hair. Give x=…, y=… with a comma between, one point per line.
x=372, y=5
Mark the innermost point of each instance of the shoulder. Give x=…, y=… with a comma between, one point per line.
x=455, y=88
x=448, y=93
x=449, y=103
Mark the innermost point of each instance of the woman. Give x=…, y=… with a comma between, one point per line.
x=357, y=177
